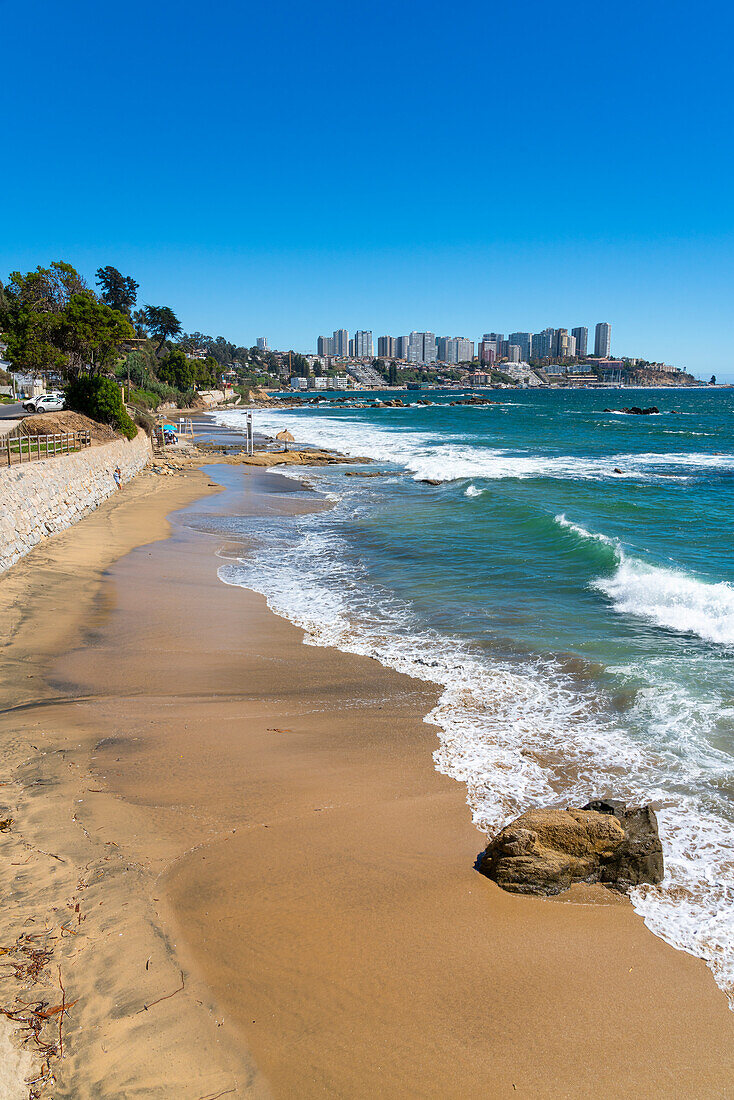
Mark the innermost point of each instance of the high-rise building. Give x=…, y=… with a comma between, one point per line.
x=386, y=347
x=401, y=347
x=497, y=337
x=455, y=349
x=325, y=346
x=603, y=340
x=262, y=343
x=524, y=341
x=561, y=343
x=513, y=352
x=487, y=351
x=464, y=349
x=422, y=347
x=543, y=343
x=582, y=341
x=363, y=344
x=572, y=347
x=351, y=348
x=341, y=342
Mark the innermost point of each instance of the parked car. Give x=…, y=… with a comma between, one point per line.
x=46, y=402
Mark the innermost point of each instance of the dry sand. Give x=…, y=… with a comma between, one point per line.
x=265, y=819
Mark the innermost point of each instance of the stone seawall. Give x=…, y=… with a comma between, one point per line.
x=42, y=498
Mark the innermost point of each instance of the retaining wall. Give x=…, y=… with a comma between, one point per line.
x=42, y=498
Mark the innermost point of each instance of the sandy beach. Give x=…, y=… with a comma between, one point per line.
x=247, y=872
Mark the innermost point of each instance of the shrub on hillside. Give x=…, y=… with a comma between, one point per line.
x=145, y=421
x=100, y=399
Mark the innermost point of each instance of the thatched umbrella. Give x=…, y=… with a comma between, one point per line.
x=286, y=438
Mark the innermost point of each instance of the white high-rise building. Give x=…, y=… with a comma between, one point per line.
x=362, y=344
x=455, y=349
x=262, y=343
x=603, y=340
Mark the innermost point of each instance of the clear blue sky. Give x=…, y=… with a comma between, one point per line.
x=284, y=169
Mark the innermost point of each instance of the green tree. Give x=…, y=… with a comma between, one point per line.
x=207, y=372
x=713, y=380
x=136, y=367
x=299, y=364
x=392, y=374
x=100, y=399
x=162, y=323
x=193, y=341
x=91, y=333
x=177, y=370
x=31, y=315
x=140, y=323
x=118, y=291
x=222, y=351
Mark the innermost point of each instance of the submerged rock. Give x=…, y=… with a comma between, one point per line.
x=546, y=851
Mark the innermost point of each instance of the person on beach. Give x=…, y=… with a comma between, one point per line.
x=118, y=477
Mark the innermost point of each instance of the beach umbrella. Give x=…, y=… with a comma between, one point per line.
x=286, y=438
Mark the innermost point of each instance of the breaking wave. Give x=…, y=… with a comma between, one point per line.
x=667, y=597
x=447, y=456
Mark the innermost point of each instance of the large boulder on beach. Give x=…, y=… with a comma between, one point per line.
x=546, y=851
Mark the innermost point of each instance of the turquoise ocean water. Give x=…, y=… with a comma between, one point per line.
x=569, y=584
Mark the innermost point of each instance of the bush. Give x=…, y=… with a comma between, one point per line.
x=145, y=421
x=101, y=400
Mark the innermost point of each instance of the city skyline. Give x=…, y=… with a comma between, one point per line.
x=428, y=347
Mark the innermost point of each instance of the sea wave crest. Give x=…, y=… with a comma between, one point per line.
x=665, y=596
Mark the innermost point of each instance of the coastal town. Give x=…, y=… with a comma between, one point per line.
x=158, y=365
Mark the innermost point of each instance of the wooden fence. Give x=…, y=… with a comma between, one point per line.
x=31, y=448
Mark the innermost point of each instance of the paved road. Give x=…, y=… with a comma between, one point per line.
x=12, y=412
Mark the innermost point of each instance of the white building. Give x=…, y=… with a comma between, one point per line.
x=298, y=383
x=522, y=373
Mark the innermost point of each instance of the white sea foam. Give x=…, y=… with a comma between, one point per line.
x=672, y=599
x=584, y=534
x=669, y=598
x=472, y=491
x=446, y=456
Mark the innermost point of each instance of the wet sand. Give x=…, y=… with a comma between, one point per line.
x=278, y=832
